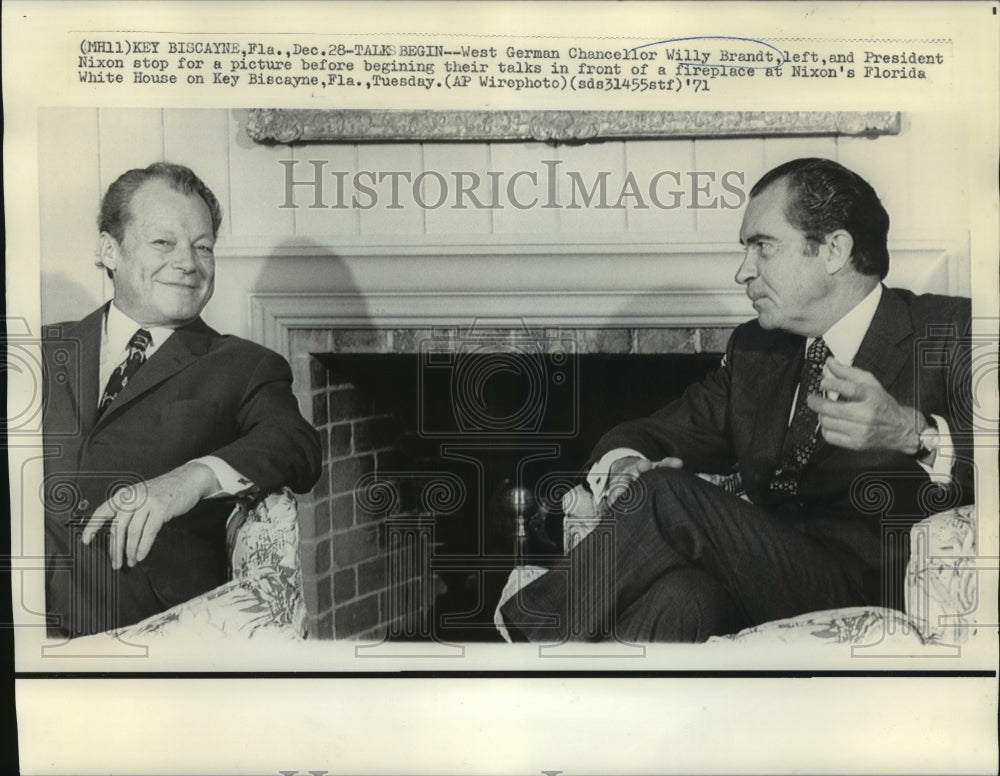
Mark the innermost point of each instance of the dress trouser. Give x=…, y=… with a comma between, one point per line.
x=680, y=559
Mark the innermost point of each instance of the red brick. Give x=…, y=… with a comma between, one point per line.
x=323, y=626
x=340, y=440
x=318, y=375
x=372, y=575
x=324, y=597
x=320, y=411
x=347, y=404
x=346, y=473
x=344, y=586
x=374, y=433
x=321, y=489
x=321, y=553
x=356, y=617
x=313, y=518
x=357, y=544
x=342, y=512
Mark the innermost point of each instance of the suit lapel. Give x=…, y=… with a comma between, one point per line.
x=185, y=346
x=83, y=367
x=886, y=347
x=884, y=351
x=776, y=383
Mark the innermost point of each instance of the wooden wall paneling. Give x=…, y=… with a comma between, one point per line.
x=256, y=185
x=937, y=162
x=69, y=200
x=648, y=159
x=200, y=140
x=337, y=218
x=387, y=221
x=511, y=158
x=129, y=138
x=884, y=164
x=718, y=212
x=588, y=163
x=460, y=215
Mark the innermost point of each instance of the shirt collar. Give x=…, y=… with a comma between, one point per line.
x=119, y=328
x=845, y=336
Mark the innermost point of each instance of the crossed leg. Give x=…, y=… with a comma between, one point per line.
x=682, y=560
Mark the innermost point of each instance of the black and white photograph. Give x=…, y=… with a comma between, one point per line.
x=345, y=385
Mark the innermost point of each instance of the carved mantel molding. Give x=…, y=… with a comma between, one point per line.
x=271, y=125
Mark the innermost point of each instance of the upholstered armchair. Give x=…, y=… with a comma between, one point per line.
x=940, y=592
x=263, y=597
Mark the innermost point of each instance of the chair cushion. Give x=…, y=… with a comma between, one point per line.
x=264, y=595
x=941, y=590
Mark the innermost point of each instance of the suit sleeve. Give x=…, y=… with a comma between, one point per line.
x=960, y=409
x=274, y=446
x=695, y=427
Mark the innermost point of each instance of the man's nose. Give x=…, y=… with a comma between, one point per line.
x=747, y=270
x=184, y=258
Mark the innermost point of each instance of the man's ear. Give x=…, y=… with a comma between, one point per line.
x=109, y=251
x=839, y=249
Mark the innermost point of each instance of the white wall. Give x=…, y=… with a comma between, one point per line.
x=264, y=248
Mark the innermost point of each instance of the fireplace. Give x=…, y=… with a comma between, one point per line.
x=388, y=548
x=444, y=452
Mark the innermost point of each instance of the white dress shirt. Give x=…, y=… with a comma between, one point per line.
x=844, y=340
x=118, y=331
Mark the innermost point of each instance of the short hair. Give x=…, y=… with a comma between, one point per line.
x=116, y=205
x=824, y=196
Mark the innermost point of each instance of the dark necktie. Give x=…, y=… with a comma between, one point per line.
x=800, y=440
x=135, y=357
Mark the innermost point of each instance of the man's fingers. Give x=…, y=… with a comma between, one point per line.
x=119, y=534
x=828, y=408
x=847, y=372
x=136, y=528
x=150, y=530
x=101, y=515
x=668, y=463
x=577, y=502
x=845, y=388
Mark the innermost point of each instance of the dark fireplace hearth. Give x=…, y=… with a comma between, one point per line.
x=444, y=457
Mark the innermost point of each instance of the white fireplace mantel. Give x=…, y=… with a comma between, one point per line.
x=539, y=285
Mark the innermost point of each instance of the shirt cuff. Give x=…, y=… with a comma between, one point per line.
x=597, y=477
x=231, y=482
x=940, y=470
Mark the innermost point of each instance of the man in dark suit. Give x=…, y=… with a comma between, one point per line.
x=153, y=419
x=842, y=436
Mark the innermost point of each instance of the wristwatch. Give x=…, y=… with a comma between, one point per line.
x=928, y=440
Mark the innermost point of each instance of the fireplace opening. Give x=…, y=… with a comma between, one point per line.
x=444, y=471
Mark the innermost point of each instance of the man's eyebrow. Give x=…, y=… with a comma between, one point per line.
x=756, y=238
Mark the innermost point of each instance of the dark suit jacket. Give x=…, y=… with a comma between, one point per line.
x=199, y=394
x=916, y=347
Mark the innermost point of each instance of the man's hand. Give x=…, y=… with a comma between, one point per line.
x=579, y=503
x=623, y=471
x=138, y=512
x=864, y=416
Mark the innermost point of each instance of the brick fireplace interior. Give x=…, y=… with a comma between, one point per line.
x=445, y=452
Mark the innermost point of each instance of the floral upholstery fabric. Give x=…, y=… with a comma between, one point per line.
x=941, y=592
x=264, y=595
x=859, y=626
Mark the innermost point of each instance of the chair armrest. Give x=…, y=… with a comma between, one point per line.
x=940, y=589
